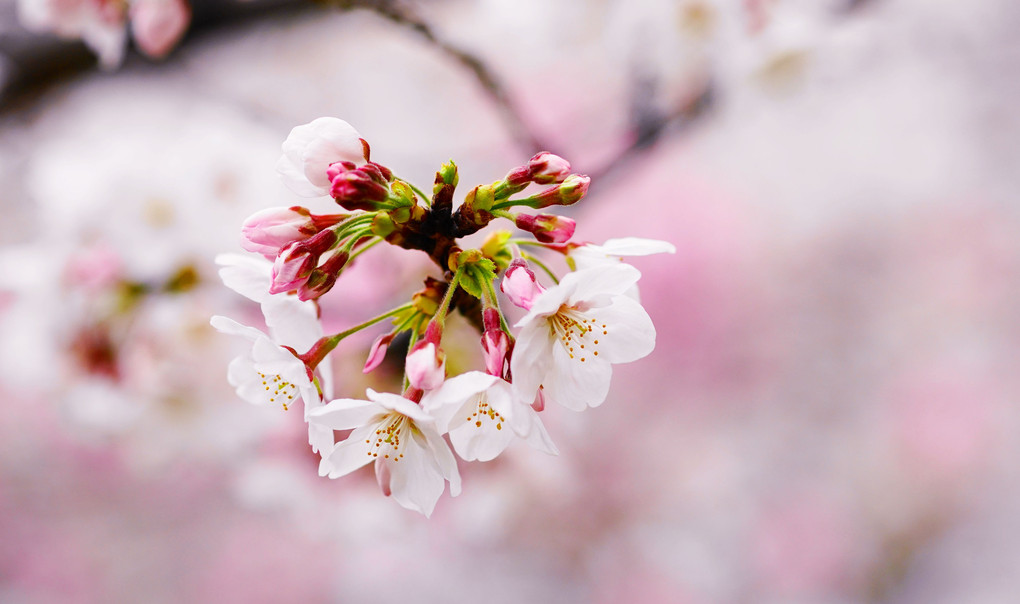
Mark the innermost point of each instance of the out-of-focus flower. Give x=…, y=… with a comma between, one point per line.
x=412, y=461
x=575, y=331
x=156, y=25
x=482, y=415
x=310, y=149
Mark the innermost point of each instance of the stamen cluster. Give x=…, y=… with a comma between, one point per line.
x=561, y=350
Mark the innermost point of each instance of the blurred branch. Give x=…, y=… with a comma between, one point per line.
x=401, y=15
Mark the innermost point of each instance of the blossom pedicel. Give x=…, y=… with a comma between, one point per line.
x=577, y=325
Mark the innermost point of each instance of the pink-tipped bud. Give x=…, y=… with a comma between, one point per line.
x=426, y=364
x=520, y=285
x=268, y=231
x=358, y=187
x=297, y=260
x=518, y=178
x=322, y=279
x=495, y=345
x=547, y=228
x=569, y=192
x=546, y=168
x=377, y=352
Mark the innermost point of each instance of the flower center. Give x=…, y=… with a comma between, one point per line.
x=577, y=332
x=485, y=413
x=279, y=389
x=390, y=436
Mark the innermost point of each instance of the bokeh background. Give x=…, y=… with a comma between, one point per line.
x=830, y=414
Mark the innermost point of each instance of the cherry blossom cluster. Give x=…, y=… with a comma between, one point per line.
x=156, y=26
x=572, y=330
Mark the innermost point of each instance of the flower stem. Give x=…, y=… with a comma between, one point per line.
x=542, y=266
x=326, y=344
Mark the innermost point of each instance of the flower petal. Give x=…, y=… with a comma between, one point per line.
x=530, y=359
x=416, y=481
x=630, y=332
x=345, y=413
x=231, y=327
x=577, y=385
x=593, y=283
x=348, y=455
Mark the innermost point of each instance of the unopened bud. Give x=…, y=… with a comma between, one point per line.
x=546, y=168
x=495, y=345
x=321, y=279
x=547, y=228
x=297, y=260
x=569, y=192
x=426, y=364
x=358, y=187
x=520, y=285
x=268, y=231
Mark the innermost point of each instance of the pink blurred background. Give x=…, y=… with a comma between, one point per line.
x=830, y=414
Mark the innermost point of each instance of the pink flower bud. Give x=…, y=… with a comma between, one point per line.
x=495, y=345
x=425, y=366
x=547, y=228
x=359, y=188
x=569, y=192
x=320, y=280
x=520, y=285
x=377, y=353
x=297, y=260
x=546, y=168
x=157, y=25
x=268, y=231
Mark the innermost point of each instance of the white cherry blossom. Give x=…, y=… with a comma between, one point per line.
x=311, y=148
x=482, y=415
x=412, y=461
x=270, y=374
x=575, y=331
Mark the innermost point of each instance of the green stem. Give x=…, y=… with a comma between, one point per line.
x=376, y=241
x=542, y=266
x=332, y=341
x=444, y=306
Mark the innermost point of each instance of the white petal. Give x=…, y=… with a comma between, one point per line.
x=231, y=327
x=528, y=425
x=395, y=402
x=532, y=357
x=601, y=281
x=347, y=455
x=479, y=443
x=247, y=275
x=630, y=332
x=294, y=178
x=577, y=385
x=320, y=438
x=636, y=246
x=446, y=400
x=345, y=413
x=444, y=458
x=416, y=481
